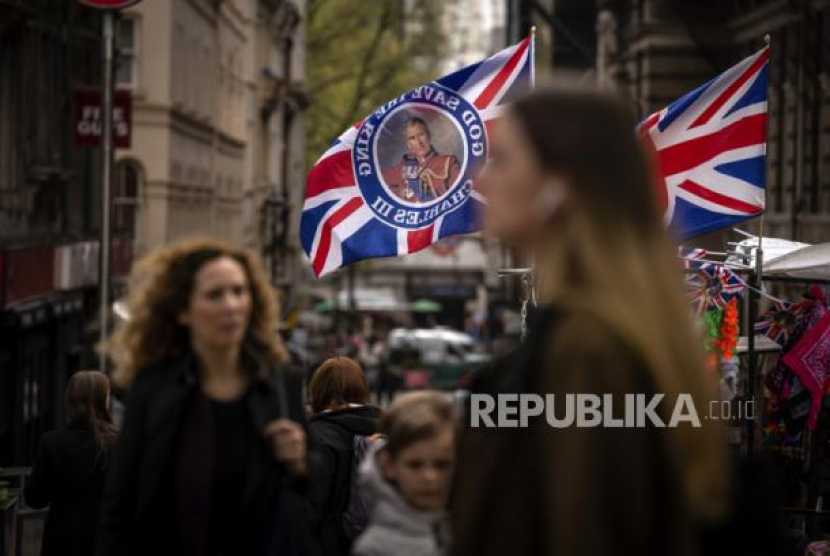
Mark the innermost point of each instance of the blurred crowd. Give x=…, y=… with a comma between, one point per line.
x=229, y=447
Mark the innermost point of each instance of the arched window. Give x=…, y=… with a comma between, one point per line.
x=125, y=195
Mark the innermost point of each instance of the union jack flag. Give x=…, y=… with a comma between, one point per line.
x=691, y=257
x=710, y=147
x=780, y=321
x=713, y=287
x=374, y=194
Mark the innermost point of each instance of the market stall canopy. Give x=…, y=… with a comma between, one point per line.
x=773, y=248
x=808, y=263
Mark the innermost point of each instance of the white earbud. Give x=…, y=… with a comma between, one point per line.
x=550, y=198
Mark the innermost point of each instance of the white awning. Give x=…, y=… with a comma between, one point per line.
x=773, y=248
x=808, y=263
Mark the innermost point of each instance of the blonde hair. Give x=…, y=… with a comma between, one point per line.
x=610, y=256
x=415, y=416
x=160, y=286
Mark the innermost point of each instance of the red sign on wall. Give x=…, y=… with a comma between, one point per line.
x=88, y=121
x=109, y=4
x=30, y=273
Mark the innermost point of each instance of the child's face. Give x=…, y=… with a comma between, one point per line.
x=423, y=471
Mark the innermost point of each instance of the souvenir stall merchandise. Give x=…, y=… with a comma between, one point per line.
x=795, y=429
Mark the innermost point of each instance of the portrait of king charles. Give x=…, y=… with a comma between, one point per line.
x=422, y=174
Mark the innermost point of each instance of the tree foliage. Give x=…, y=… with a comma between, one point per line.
x=361, y=54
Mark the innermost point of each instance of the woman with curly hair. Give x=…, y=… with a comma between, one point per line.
x=212, y=452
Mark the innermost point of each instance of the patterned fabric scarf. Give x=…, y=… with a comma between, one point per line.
x=810, y=357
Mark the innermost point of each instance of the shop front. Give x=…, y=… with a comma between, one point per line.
x=47, y=308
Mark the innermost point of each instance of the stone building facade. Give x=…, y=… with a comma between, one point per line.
x=217, y=138
x=48, y=214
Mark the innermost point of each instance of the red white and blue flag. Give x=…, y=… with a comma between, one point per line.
x=710, y=146
x=713, y=287
x=691, y=257
x=780, y=321
x=405, y=176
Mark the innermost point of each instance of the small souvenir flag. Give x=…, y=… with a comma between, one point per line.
x=714, y=286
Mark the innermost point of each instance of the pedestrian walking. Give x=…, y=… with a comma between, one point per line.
x=569, y=185
x=370, y=355
x=341, y=427
x=407, y=476
x=69, y=469
x=394, y=363
x=212, y=459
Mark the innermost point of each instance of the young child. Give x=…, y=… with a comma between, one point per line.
x=406, y=478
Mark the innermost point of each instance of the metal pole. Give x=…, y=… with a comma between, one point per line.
x=753, y=298
x=352, y=321
x=106, y=182
x=752, y=355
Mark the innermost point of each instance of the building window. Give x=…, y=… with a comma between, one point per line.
x=127, y=47
x=125, y=195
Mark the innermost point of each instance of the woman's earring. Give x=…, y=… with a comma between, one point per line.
x=550, y=198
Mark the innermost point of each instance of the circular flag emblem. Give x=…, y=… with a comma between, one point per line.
x=416, y=158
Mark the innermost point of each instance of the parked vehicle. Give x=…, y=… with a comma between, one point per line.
x=434, y=358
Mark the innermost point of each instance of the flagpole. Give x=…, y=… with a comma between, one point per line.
x=533, y=58
x=753, y=298
x=526, y=276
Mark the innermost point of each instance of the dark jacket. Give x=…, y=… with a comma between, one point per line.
x=166, y=447
x=585, y=491
x=333, y=432
x=68, y=475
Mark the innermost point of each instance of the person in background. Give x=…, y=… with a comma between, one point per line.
x=568, y=184
x=68, y=473
x=370, y=355
x=394, y=363
x=339, y=397
x=407, y=478
x=212, y=459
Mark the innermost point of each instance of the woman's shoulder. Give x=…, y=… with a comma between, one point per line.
x=585, y=340
x=52, y=439
x=161, y=370
x=345, y=423
x=581, y=330
x=158, y=376
x=69, y=440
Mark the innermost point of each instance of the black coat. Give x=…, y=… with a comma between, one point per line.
x=167, y=440
x=579, y=491
x=332, y=432
x=68, y=476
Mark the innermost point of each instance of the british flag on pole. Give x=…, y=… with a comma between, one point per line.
x=405, y=176
x=711, y=150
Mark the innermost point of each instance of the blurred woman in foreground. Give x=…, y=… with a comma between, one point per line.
x=68, y=474
x=568, y=184
x=212, y=449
